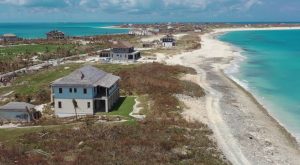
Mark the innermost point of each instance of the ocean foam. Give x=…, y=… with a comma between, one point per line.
x=232, y=72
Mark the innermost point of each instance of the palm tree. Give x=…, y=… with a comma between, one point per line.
x=75, y=107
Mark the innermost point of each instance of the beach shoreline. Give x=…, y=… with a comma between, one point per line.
x=245, y=87
x=245, y=131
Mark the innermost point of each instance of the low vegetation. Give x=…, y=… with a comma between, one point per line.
x=10, y=51
x=188, y=42
x=164, y=137
x=160, y=83
x=35, y=87
x=19, y=55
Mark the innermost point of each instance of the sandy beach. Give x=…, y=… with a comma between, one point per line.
x=113, y=27
x=242, y=127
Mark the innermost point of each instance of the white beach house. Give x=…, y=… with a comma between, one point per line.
x=168, y=41
x=121, y=51
x=85, y=91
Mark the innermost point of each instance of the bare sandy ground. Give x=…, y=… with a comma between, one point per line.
x=243, y=129
x=158, y=37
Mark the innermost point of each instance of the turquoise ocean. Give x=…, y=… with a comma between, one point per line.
x=39, y=30
x=271, y=71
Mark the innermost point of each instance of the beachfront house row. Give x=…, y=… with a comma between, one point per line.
x=168, y=41
x=55, y=35
x=121, y=51
x=85, y=91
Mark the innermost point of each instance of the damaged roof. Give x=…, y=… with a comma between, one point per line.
x=16, y=106
x=87, y=76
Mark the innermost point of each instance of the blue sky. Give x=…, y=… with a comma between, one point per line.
x=149, y=10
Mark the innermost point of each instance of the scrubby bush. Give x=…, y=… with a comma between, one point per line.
x=164, y=137
x=160, y=82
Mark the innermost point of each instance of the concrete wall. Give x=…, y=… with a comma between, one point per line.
x=14, y=116
x=168, y=44
x=82, y=99
x=68, y=108
x=123, y=56
x=66, y=94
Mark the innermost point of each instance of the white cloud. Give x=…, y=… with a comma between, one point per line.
x=250, y=3
x=246, y=5
x=14, y=2
x=201, y=4
x=37, y=3
x=164, y=7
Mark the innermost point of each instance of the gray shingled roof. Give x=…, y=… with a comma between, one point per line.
x=16, y=106
x=87, y=76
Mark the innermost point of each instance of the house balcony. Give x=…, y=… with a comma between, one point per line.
x=101, y=96
x=100, y=93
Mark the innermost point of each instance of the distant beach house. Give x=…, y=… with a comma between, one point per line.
x=55, y=35
x=18, y=111
x=121, y=51
x=105, y=53
x=168, y=41
x=153, y=30
x=9, y=38
x=85, y=91
x=147, y=44
x=198, y=30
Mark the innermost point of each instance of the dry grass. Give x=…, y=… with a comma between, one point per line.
x=160, y=83
x=164, y=137
x=150, y=142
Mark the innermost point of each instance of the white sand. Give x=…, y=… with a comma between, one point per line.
x=113, y=27
x=10, y=125
x=243, y=129
x=136, y=111
x=152, y=38
x=179, y=36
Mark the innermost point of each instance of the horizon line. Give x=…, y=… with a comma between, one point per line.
x=133, y=22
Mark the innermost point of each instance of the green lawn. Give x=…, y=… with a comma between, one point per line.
x=11, y=51
x=123, y=107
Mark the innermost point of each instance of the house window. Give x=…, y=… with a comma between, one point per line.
x=59, y=105
x=60, y=90
x=89, y=104
x=71, y=90
x=75, y=90
x=84, y=90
